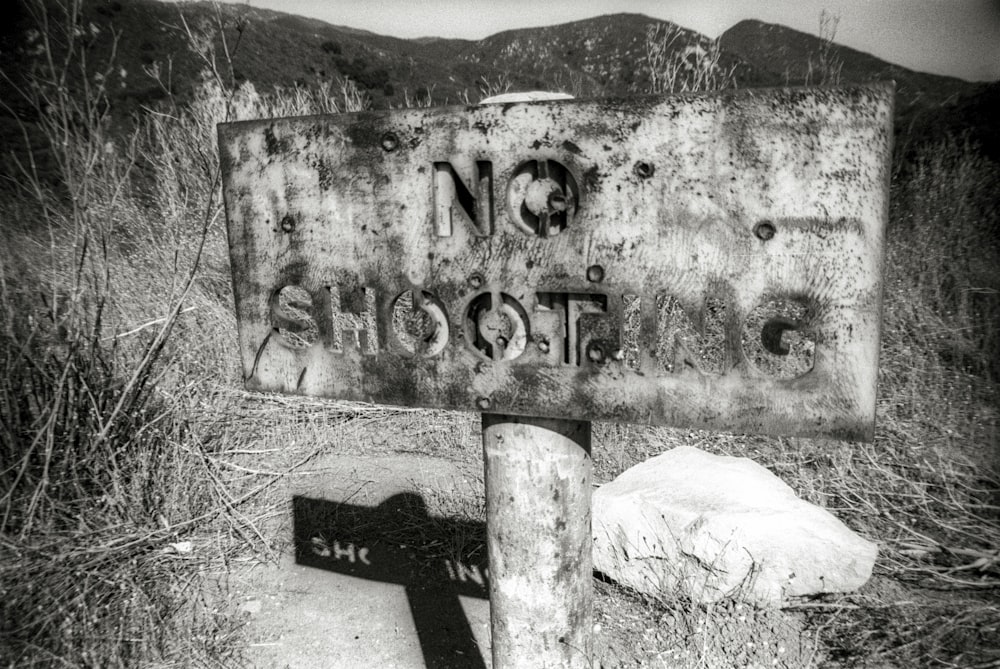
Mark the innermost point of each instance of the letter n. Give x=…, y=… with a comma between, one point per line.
x=463, y=193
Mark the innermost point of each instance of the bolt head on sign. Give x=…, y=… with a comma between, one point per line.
x=712, y=261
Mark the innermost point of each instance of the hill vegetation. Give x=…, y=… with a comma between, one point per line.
x=603, y=56
x=134, y=474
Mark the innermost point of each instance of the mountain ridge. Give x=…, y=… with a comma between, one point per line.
x=594, y=57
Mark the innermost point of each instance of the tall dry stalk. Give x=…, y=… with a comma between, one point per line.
x=677, y=64
x=825, y=66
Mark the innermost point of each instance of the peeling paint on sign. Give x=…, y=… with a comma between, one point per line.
x=712, y=261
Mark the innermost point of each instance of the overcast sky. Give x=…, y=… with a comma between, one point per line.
x=955, y=37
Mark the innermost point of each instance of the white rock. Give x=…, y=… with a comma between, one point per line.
x=708, y=526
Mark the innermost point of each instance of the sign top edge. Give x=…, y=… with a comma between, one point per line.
x=882, y=88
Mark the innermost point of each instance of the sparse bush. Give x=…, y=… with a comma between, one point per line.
x=488, y=87
x=677, y=65
x=116, y=311
x=422, y=97
x=101, y=487
x=824, y=67
x=107, y=8
x=945, y=255
x=358, y=69
x=96, y=480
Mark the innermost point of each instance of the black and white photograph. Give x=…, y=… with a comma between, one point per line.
x=500, y=334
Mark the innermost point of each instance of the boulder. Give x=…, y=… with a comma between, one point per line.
x=709, y=526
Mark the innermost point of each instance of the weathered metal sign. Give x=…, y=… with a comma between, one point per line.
x=707, y=260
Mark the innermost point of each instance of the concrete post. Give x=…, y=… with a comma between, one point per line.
x=538, y=485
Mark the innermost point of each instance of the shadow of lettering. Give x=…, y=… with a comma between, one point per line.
x=435, y=559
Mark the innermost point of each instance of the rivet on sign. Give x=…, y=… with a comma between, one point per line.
x=764, y=230
x=643, y=170
x=595, y=274
x=501, y=341
x=543, y=345
x=288, y=223
x=595, y=354
x=475, y=281
x=390, y=141
x=483, y=403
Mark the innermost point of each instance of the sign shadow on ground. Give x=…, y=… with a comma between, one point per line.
x=435, y=559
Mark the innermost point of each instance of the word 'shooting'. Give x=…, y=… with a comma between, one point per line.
x=498, y=328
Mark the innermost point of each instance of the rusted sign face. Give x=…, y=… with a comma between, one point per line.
x=709, y=261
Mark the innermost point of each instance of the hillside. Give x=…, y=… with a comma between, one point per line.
x=595, y=57
x=926, y=104
x=780, y=50
x=592, y=57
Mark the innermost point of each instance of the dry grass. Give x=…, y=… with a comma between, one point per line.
x=677, y=65
x=119, y=501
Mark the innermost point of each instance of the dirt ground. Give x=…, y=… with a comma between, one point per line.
x=384, y=565
x=356, y=590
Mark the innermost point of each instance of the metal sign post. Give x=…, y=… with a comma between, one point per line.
x=711, y=261
x=538, y=483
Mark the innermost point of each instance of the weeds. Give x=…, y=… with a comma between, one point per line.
x=946, y=233
x=825, y=66
x=678, y=65
x=112, y=500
